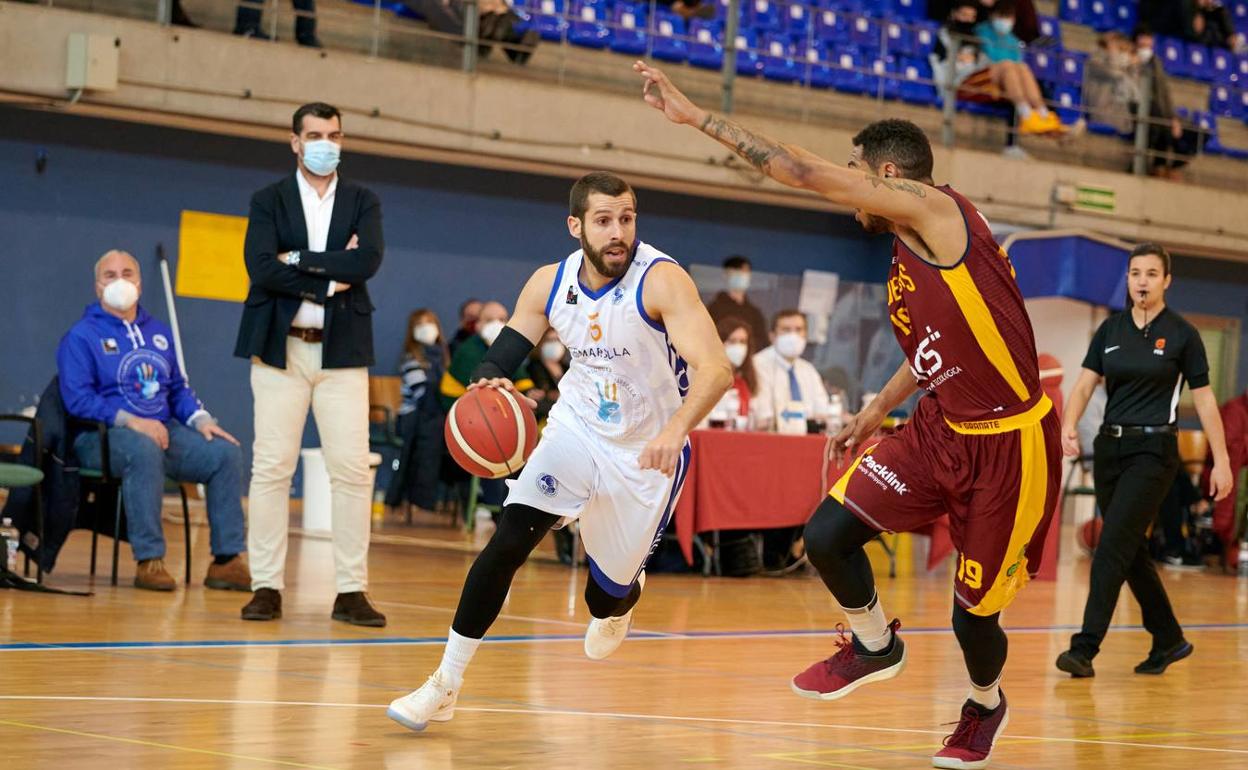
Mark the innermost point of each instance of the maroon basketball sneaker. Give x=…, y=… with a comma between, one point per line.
x=851, y=667
x=971, y=743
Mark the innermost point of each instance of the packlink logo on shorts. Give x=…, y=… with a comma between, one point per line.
x=883, y=475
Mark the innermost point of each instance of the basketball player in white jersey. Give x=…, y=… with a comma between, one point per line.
x=615, y=449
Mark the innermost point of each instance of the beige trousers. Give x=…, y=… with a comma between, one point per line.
x=339, y=401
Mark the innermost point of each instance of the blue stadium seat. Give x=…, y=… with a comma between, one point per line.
x=778, y=61
x=1241, y=70
x=1051, y=28
x=819, y=74
x=1173, y=55
x=1126, y=15
x=1239, y=14
x=1100, y=15
x=762, y=16
x=1198, y=64
x=899, y=38
x=1070, y=68
x=589, y=24
x=1222, y=65
x=848, y=75
x=986, y=109
x=925, y=38
x=832, y=26
x=706, y=48
x=797, y=20
x=910, y=10
x=1208, y=123
x=1043, y=63
x=1103, y=129
x=1073, y=11
x=667, y=37
x=1069, y=104
x=884, y=79
x=1222, y=100
x=629, y=28
x=549, y=19
x=749, y=63
x=1240, y=107
x=864, y=31
x=916, y=84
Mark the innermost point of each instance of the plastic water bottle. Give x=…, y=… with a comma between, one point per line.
x=8, y=533
x=1243, y=557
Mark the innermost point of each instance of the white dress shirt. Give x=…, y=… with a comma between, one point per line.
x=317, y=212
x=775, y=388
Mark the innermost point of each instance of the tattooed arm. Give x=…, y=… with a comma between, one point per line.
x=900, y=200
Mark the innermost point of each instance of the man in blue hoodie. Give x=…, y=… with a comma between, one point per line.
x=118, y=366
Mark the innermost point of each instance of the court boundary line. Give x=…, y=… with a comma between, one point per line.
x=418, y=641
x=1094, y=740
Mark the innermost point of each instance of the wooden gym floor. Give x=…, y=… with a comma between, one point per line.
x=134, y=679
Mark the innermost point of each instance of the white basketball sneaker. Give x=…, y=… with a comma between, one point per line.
x=605, y=636
x=433, y=702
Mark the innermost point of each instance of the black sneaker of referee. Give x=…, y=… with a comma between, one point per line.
x=1159, y=660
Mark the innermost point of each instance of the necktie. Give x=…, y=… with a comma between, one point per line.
x=795, y=390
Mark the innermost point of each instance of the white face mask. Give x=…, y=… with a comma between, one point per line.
x=552, y=350
x=738, y=280
x=736, y=352
x=790, y=345
x=490, y=330
x=1145, y=54
x=120, y=295
x=426, y=333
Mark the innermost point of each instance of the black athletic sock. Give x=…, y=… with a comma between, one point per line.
x=834, y=541
x=485, y=589
x=603, y=605
x=223, y=558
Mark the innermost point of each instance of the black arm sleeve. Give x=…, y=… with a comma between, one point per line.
x=504, y=357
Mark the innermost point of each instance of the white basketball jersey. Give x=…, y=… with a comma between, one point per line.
x=626, y=379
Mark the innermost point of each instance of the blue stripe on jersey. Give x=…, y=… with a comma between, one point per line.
x=618, y=590
x=641, y=286
x=602, y=292
x=555, y=289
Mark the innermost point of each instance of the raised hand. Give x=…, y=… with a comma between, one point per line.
x=660, y=94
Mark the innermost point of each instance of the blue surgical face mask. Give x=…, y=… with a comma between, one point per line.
x=1003, y=26
x=321, y=156
x=738, y=280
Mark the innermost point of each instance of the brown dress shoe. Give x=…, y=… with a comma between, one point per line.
x=231, y=576
x=265, y=604
x=356, y=609
x=152, y=575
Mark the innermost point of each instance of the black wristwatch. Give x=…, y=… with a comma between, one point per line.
x=292, y=258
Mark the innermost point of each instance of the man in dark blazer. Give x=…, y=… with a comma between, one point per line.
x=313, y=241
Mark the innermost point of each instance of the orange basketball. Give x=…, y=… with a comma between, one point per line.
x=490, y=432
x=1090, y=534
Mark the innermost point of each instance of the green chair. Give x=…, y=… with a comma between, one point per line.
x=103, y=485
x=18, y=476
x=474, y=495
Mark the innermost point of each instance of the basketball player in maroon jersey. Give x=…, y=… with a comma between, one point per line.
x=983, y=445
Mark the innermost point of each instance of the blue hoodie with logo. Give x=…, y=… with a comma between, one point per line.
x=109, y=366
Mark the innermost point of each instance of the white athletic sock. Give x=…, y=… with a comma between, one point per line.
x=989, y=697
x=1023, y=109
x=456, y=657
x=870, y=625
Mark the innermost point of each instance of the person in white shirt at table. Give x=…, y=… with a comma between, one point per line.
x=790, y=389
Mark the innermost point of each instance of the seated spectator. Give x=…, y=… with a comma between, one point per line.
x=790, y=390
x=1208, y=22
x=421, y=416
x=547, y=364
x=1011, y=76
x=1170, y=141
x=247, y=22
x=497, y=23
x=735, y=335
x=1111, y=84
x=118, y=366
x=690, y=9
x=468, y=313
x=733, y=303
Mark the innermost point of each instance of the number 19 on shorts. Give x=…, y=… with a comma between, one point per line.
x=970, y=572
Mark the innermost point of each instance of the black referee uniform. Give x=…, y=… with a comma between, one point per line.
x=1136, y=460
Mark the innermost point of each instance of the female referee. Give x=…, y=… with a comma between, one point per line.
x=1144, y=353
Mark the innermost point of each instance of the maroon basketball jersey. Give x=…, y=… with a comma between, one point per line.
x=964, y=329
